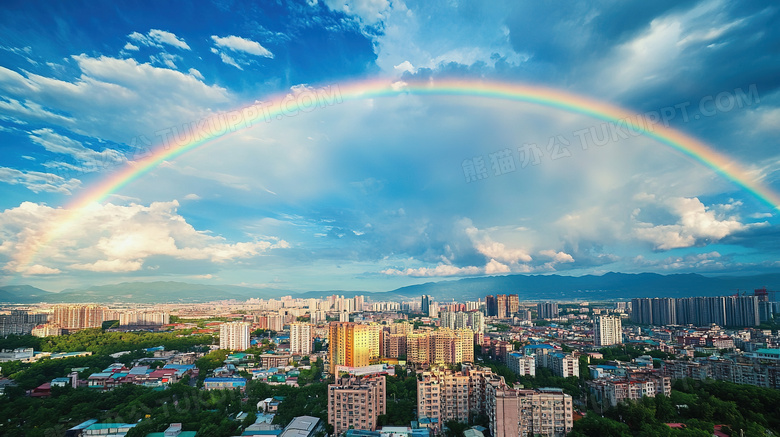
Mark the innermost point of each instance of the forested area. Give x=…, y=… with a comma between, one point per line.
x=100, y=342
x=698, y=404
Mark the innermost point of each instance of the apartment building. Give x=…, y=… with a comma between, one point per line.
x=446, y=395
x=610, y=392
x=443, y=396
x=521, y=364
x=444, y=346
x=300, y=338
x=356, y=402
x=515, y=413
x=564, y=365
x=352, y=344
x=393, y=345
x=234, y=336
x=78, y=316
x=607, y=330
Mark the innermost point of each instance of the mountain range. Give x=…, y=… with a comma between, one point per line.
x=610, y=286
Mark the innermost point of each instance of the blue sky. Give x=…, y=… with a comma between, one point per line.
x=373, y=194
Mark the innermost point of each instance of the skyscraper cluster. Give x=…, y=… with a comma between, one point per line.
x=20, y=322
x=547, y=310
x=698, y=311
x=78, y=316
x=473, y=320
x=501, y=305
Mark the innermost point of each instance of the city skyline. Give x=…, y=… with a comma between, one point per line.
x=365, y=146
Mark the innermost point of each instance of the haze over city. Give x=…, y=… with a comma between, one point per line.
x=373, y=145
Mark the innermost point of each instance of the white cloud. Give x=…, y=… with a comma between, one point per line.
x=439, y=270
x=485, y=245
x=227, y=59
x=405, y=66
x=558, y=257
x=195, y=73
x=131, y=47
x=37, y=181
x=494, y=266
x=113, y=99
x=114, y=266
x=156, y=38
x=89, y=160
x=368, y=11
x=113, y=238
x=192, y=196
x=696, y=224
x=166, y=59
x=38, y=269
x=238, y=44
x=695, y=261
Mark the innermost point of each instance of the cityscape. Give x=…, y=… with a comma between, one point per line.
x=494, y=366
x=389, y=218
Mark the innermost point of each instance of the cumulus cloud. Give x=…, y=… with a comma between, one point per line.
x=113, y=238
x=695, y=225
x=494, y=250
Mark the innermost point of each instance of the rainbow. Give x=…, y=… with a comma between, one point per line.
x=301, y=100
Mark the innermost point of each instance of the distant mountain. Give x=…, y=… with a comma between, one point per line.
x=23, y=294
x=156, y=292
x=610, y=286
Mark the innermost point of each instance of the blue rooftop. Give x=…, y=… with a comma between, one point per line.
x=538, y=346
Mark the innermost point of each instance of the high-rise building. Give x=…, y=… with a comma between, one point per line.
x=300, y=338
x=607, y=330
x=20, y=322
x=491, y=309
x=698, y=311
x=547, y=310
x=447, y=395
x=425, y=302
x=276, y=322
x=512, y=304
x=355, y=402
x=501, y=305
x=433, y=309
x=78, y=316
x=234, y=336
x=144, y=318
x=546, y=411
x=393, y=345
x=352, y=345
x=445, y=346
